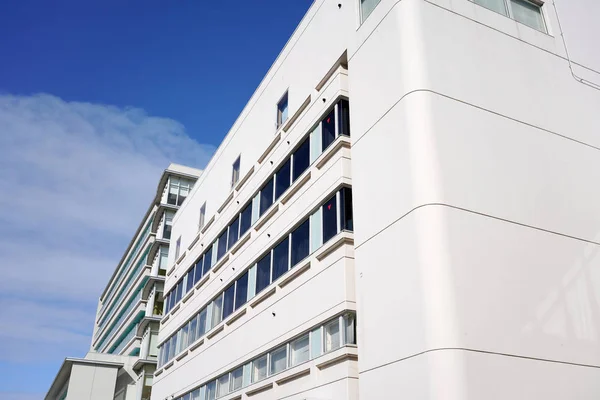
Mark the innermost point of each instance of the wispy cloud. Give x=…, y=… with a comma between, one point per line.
x=75, y=180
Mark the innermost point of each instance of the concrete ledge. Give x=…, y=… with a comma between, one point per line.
x=220, y=263
x=294, y=376
x=170, y=271
x=202, y=281
x=194, y=241
x=166, y=317
x=337, y=360
x=188, y=295
x=226, y=202
x=215, y=332
x=182, y=355
x=263, y=296
x=169, y=365
x=296, y=186
x=238, y=397
x=158, y=372
x=341, y=62
x=295, y=272
x=272, y=145
x=263, y=220
x=297, y=114
x=240, y=242
x=260, y=389
x=197, y=344
x=335, y=243
x=339, y=143
x=176, y=308
x=244, y=179
x=235, y=317
x=209, y=223
x=181, y=257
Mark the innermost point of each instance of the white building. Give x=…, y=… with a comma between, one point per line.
x=471, y=256
x=123, y=354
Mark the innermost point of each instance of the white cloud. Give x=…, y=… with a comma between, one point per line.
x=75, y=181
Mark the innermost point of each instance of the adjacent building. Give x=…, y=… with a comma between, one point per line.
x=406, y=208
x=123, y=354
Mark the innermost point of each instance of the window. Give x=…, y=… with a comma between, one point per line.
x=208, y=260
x=189, y=280
x=263, y=273
x=246, y=219
x=300, y=241
x=529, y=14
x=235, y=172
x=217, y=311
x=346, y=211
x=228, y=300
x=198, y=274
x=301, y=159
x=222, y=245
x=177, y=248
x=192, y=334
x=241, y=291
x=278, y=360
x=282, y=179
x=282, y=110
x=495, y=5
x=178, y=292
x=332, y=335
x=299, y=350
x=328, y=130
x=183, y=340
x=233, y=232
x=163, y=258
x=236, y=379
x=168, y=225
x=367, y=7
x=223, y=385
x=281, y=258
x=259, y=369
x=266, y=196
x=201, y=323
x=178, y=190
x=211, y=390
x=329, y=219
x=202, y=218
x=350, y=329
x=344, y=117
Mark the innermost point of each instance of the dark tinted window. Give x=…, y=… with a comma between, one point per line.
x=198, y=273
x=222, y=245
x=300, y=243
x=167, y=231
x=178, y=291
x=266, y=196
x=263, y=273
x=241, y=291
x=246, y=219
x=190, y=280
x=201, y=323
x=228, y=300
x=301, y=158
x=282, y=180
x=280, y=259
x=172, y=198
x=328, y=129
x=344, y=117
x=208, y=259
x=329, y=219
x=233, y=232
x=346, y=211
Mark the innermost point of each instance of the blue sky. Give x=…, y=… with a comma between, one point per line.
x=96, y=98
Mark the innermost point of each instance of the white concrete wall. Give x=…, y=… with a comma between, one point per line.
x=474, y=156
x=92, y=382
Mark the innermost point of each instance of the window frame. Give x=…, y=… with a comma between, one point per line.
x=508, y=6
x=280, y=121
x=235, y=171
x=202, y=217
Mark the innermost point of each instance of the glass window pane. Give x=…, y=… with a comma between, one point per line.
x=172, y=197
x=208, y=259
x=183, y=193
x=346, y=211
x=328, y=129
x=316, y=230
x=246, y=219
x=235, y=173
x=367, y=7
x=282, y=179
x=223, y=385
x=222, y=246
x=282, y=110
x=528, y=14
x=329, y=219
x=266, y=196
x=263, y=273
x=259, y=369
x=332, y=335
x=350, y=329
x=315, y=143
x=300, y=240
x=196, y=394
x=198, y=274
x=344, y=117
x=241, y=290
x=495, y=5
x=280, y=258
x=211, y=390
x=237, y=379
x=193, y=332
x=255, y=210
x=228, y=300
x=190, y=280
x=201, y=323
x=178, y=292
x=301, y=159
x=217, y=311
x=300, y=350
x=278, y=360
x=183, y=337
x=233, y=232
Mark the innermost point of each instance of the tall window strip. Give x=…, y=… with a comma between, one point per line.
x=289, y=252
x=335, y=123
x=526, y=12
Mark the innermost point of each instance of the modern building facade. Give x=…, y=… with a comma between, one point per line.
x=123, y=354
x=405, y=208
